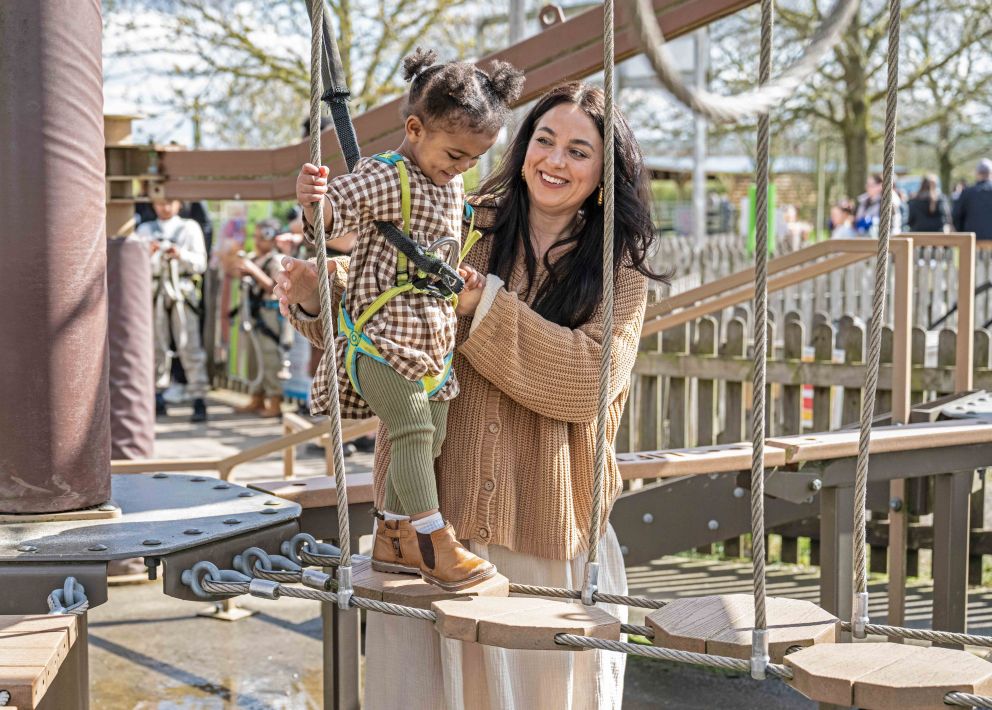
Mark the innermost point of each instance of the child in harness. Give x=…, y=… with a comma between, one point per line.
x=396, y=328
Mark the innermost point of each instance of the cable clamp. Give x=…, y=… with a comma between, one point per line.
x=315, y=579
x=759, y=653
x=859, y=620
x=345, y=592
x=263, y=588
x=591, y=584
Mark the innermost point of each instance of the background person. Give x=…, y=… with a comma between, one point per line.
x=973, y=209
x=928, y=210
x=178, y=255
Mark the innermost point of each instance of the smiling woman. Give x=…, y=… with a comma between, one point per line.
x=515, y=473
x=550, y=187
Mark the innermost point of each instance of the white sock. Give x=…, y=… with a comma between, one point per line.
x=386, y=515
x=426, y=526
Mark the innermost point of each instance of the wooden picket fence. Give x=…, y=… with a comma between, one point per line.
x=846, y=291
x=691, y=384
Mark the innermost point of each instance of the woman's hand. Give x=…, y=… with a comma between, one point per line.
x=297, y=284
x=468, y=299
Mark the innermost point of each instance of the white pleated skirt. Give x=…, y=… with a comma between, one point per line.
x=408, y=665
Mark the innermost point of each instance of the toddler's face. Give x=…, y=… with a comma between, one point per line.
x=442, y=155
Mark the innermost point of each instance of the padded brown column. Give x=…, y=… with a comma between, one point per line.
x=132, y=363
x=54, y=397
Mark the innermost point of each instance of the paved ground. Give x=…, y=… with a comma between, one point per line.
x=150, y=651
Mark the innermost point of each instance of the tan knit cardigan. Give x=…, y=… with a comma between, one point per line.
x=517, y=466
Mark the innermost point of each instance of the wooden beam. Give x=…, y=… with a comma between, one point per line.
x=566, y=51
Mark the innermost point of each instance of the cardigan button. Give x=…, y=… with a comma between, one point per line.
x=483, y=533
x=489, y=485
x=494, y=427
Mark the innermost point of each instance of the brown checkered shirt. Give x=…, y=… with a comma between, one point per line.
x=413, y=332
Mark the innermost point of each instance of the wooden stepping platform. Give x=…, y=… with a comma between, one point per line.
x=319, y=491
x=528, y=623
x=722, y=625
x=667, y=463
x=408, y=590
x=909, y=437
x=32, y=650
x=887, y=675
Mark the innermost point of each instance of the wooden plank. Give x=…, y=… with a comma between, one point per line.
x=675, y=341
x=852, y=342
x=669, y=463
x=32, y=651
x=921, y=679
x=705, y=345
x=736, y=414
x=528, y=623
x=823, y=351
x=155, y=465
x=411, y=590
x=792, y=394
x=844, y=443
x=319, y=491
x=827, y=672
x=565, y=51
x=722, y=625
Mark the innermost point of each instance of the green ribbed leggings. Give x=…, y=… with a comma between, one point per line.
x=416, y=427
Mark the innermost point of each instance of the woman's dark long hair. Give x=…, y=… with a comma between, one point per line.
x=574, y=285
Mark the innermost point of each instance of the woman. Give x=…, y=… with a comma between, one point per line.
x=516, y=472
x=928, y=208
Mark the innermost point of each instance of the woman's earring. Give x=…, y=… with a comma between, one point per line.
x=599, y=200
x=523, y=173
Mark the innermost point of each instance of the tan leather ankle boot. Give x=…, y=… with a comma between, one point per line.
x=255, y=404
x=445, y=562
x=395, y=547
x=272, y=408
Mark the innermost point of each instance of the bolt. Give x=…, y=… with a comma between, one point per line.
x=232, y=521
x=107, y=507
x=816, y=484
x=160, y=475
x=647, y=518
x=738, y=492
x=192, y=531
x=151, y=542
x=269, y=511
x=713, y=525
x=27, y=548
x=221, y=486
x=96, y=548
x=272, y=501
x=245, y=494
x=198, y=479
x=895, y=504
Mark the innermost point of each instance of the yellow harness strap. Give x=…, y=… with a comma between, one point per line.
x=358, y=342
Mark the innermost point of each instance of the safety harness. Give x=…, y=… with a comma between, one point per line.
x=426, y=283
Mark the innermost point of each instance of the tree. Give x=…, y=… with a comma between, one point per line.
x=240, y=70
x=844, y=100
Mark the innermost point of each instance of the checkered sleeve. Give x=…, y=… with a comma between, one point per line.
x=370, y=193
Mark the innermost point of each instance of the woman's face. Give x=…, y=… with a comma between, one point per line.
x=564, y=160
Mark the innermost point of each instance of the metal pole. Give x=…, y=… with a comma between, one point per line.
x=700, y=68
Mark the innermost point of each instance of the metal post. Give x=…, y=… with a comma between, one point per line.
x=700, y=67
x=836, y=551
x=341, y=644
x=951, y=514
x=902, y=257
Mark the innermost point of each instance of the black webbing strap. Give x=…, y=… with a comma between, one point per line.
x=336, y=95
